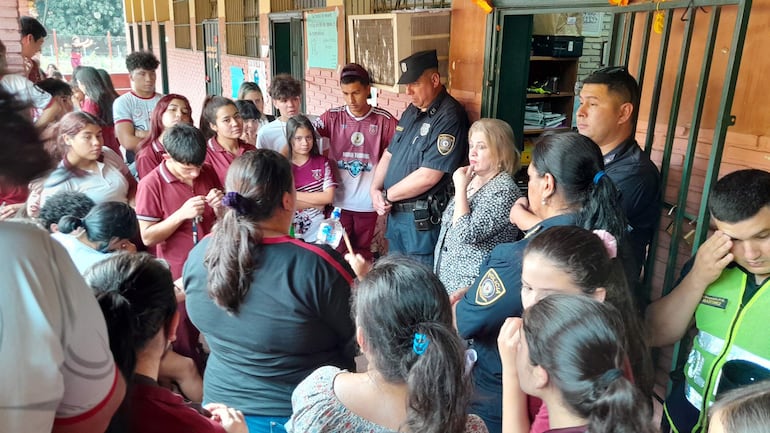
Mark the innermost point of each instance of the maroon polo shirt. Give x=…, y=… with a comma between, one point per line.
x=159, y=195
x=220, y=159
x=153, y=409
x=149, y=157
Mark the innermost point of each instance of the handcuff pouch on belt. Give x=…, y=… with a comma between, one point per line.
x=428, y=212
x=422, y=217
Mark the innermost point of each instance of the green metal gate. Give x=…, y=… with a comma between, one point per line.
x=503, y=21
x=211, y=56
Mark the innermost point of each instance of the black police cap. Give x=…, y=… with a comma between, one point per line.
x=413, y=66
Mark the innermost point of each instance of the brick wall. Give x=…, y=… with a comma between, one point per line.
x=9, y=33
x=322, y=92
x=187, y=79
x=592, y=49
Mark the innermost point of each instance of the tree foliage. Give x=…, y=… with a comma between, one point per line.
x=82, y=17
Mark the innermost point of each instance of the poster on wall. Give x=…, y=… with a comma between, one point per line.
x=322, y=41
x=257, y=72
x=593, y=22
x=236, y=76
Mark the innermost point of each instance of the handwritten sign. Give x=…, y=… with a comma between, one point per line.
x=322, y=43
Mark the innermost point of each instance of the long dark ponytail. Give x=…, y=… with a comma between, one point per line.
x=255, y=184
x=577, y=165
x=579, y=342
x=136, y=294
x=98, y=92
x=406, y=319
x=104, y=222
x=582, y=255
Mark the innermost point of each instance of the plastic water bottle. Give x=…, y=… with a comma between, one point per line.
x=330, y=230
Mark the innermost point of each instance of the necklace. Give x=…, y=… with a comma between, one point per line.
x=476, y=183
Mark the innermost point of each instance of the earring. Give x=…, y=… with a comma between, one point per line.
x=543, y=201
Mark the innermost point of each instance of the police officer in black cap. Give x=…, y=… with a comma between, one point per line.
x=412, y=179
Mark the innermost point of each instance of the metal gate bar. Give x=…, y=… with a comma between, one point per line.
x=684, y=55
x=643, y=54
x=724, y=118
x=656, y=90
x=620, y=33
x=692, y=141
x=680, y=349
x=652, y=120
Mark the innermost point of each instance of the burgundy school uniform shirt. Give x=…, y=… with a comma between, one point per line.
x=220, y=159
x=149, y=157
x=160, y=194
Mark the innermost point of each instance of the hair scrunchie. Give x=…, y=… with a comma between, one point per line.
x=609, y=241
x=240, y=204
x=420, y=343
x=599, y=174
x=608, y=377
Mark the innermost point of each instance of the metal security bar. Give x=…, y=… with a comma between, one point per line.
x=295, y=5
x=622, y=43
x=182, y=24
x=242, y=28
x=625, y=39
x=366, y=7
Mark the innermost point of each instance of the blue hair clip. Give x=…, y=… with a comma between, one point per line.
x=420, y=343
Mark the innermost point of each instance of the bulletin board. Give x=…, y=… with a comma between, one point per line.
x=322, y=39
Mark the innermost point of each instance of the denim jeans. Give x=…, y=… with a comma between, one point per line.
x=266, y=424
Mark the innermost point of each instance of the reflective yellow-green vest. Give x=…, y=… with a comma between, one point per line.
x=727, y=330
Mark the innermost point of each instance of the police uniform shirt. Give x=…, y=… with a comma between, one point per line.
x=493, y=297
x=436, y=138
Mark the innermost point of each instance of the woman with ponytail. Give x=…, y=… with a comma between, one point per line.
x=574, y=261
x=568, y=351
x=416, y=380
x=106, y=229
x=136, y=294
x=272, y=308
x=567, y=187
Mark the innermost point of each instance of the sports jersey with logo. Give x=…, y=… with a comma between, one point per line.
x=356, y=145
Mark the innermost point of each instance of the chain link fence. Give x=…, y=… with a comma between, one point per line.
x=100, y=51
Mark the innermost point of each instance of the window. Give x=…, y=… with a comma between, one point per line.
x=295, y=5
x=204, y=10
x=182, y=24
x=131, y=37
x=366, y=7
x=309, y=4
x=242, y=28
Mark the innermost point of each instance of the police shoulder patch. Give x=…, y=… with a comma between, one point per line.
x=491, y=288
x=445, y=143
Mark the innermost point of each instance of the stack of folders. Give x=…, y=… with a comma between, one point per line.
x=536, y=118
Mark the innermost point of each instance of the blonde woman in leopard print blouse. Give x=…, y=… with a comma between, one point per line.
x=476, y=219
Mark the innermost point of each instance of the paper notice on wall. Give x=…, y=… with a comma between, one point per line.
x=257, y=72
x=593, y=22
x=322, y=40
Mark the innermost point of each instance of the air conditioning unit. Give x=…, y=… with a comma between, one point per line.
x=379, y=41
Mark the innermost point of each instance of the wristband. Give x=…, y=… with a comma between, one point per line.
x=385, y=196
